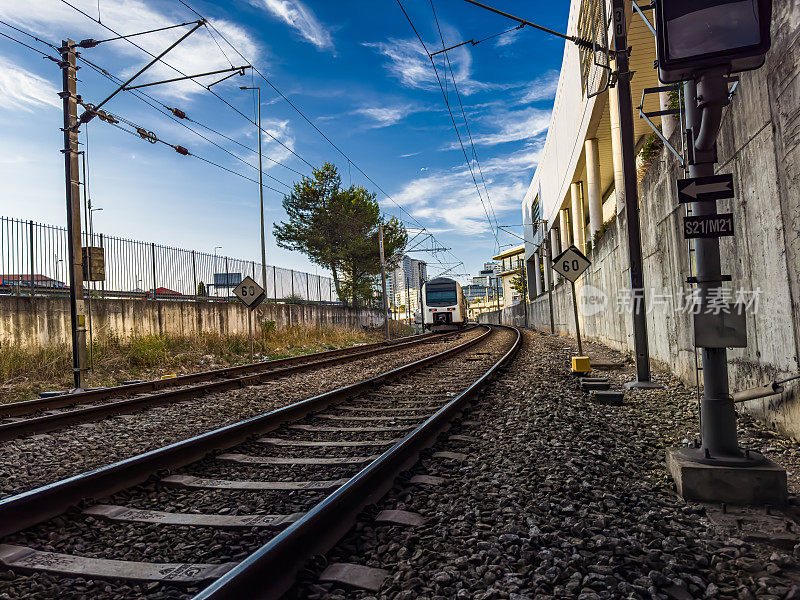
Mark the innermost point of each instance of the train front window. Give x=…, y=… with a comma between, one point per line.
x=441, y=295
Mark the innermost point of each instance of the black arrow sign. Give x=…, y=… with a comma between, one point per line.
x=705, y=189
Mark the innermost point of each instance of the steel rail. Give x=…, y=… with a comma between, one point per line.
x=45, y=423
x=15, y=409
x=34, y=506
x=270, y=572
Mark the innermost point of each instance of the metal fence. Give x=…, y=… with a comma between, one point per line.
x=34, y=261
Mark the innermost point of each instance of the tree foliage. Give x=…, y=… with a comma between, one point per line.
x=337, y=228
x=517, y=282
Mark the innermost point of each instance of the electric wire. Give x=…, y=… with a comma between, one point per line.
x=137, y=93
x=130, y=35
x=166, y=111
x=211, y=35
x=453, y=120
x=464, y=115
x=213, y=93
x=475, y=43
x=309, y=121
x=21, y=43
x=197, y=156
x=30, y=35
x=151, y=137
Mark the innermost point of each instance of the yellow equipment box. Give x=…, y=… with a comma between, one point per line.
x=580, y=364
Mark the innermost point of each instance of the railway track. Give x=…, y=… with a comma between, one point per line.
x=48, y=414
x=304, y=470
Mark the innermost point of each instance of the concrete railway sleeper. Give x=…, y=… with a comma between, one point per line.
x=166, y=535
x=223, y=380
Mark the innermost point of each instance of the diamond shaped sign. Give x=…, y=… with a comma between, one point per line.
x=249, y=292
x=571, y=263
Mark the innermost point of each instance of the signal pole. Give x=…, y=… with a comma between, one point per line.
x=260, y=191
x=640, y=345
x=408, y=302
x=705, y=97
x=383, y=281
x=76, y=302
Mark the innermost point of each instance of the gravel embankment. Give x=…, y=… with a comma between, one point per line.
x=74, y=533
x=41, y=459
x=563, y=498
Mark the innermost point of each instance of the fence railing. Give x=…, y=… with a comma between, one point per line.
x=34, y=261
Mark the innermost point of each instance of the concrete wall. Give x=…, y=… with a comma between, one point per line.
x=760, y=144
x=43, y=321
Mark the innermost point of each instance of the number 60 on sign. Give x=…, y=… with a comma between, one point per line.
x=571, y=263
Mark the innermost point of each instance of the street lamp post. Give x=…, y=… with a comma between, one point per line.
x=57, y=260
x=260, y=192
x=91, y=221
x=216, y=287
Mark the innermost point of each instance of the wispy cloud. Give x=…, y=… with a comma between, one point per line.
x=384, y=116
x=542, y=88
x=503, y=126
x=197, y=54
x=508, y=38
x=22, y=90
x=449, y=201
x=408, y=62
x=298, y=16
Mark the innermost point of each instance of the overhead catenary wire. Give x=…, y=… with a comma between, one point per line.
x=151, y=137
x=138, y=93
x=464, y=115
x=309, y=121
x=90, y=43
x=30, y=35
x=476, y=42
x=21, y=43
x=165, y=63
x=168, y=112
x=452, y=119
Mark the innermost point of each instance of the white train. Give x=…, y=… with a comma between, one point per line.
x=444, y=306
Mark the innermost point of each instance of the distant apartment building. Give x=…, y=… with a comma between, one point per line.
x=411, y=272
x=405, y=305
x=511, y=262
x=487, y=276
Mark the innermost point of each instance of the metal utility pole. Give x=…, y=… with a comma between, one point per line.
x=497, y=296
x=408, y=302
x=577, y=320
x=525, y=288
x=69, y=98
x=705, y=98
x=550, y=282
x=383, y=280
x=620, y=49
x=260, y=192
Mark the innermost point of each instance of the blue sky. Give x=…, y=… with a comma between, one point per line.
x=354, y=68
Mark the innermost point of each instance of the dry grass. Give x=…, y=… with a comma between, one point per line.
x=24, y=372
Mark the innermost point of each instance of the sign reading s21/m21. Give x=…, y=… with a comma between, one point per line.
x=708, y=226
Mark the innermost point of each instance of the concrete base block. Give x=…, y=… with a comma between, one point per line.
x=761, y=484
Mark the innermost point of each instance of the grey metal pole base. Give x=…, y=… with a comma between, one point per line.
x=643, y=385
x=750, y=479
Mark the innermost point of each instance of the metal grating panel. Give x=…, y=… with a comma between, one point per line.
x=595, y=62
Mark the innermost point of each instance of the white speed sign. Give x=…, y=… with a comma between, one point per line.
x=249, y=292
x=571, y=263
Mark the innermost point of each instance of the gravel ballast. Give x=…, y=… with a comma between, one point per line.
x=562, y=498
x=41, y=459
x=82, y=535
